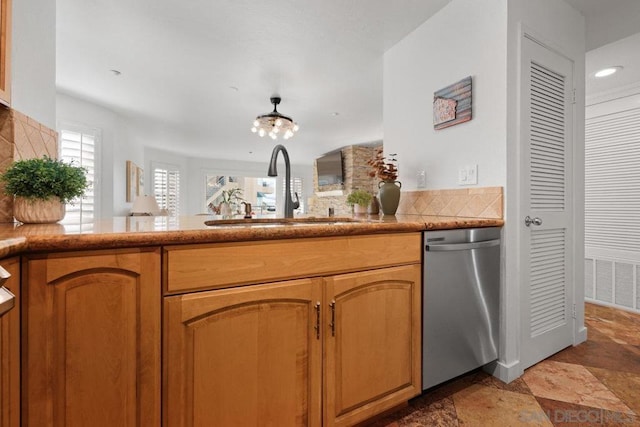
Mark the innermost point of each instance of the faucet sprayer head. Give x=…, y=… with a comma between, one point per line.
x=273, y=169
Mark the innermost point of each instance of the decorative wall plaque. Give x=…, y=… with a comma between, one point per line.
x=452, y=104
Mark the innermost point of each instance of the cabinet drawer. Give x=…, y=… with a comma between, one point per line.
x=228, y=264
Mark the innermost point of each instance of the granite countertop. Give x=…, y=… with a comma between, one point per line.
x=121, y=232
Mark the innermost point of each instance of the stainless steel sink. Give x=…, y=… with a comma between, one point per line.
x=279, y=221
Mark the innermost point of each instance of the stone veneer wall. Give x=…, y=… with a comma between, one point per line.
x=479, y=202
x=21, y=137
x=356, y=177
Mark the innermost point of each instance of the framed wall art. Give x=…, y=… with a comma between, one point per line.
x=139, y=182
x=452, y=104
x=132, y=181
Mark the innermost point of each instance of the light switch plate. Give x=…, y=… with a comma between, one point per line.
x=472, y=174
x=468, y=175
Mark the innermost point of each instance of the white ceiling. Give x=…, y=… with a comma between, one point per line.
x=198, y=73
x=613, y=38
x=206, y=68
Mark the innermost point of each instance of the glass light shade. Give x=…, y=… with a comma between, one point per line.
x=275, y=124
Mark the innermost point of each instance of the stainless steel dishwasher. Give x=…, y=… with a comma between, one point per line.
x=461, y=294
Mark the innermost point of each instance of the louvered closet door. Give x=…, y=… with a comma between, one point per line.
x=546, y=190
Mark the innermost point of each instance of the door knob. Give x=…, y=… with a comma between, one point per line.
x=535, y=221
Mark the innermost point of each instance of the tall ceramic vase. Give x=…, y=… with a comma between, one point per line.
x=389, y=195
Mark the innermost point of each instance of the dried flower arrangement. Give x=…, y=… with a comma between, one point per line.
x=385, y=168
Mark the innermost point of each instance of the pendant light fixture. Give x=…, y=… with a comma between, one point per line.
x=274, y=124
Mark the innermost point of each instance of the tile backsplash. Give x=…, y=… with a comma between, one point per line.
x=480, y=202
x=21, y=137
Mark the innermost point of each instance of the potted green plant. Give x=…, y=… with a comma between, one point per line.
x=230, y=203
x=41, y=187
x=360, y=200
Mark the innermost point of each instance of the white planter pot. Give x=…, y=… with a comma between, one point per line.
x=37, y=211
x=225, y=210
x=360, y=210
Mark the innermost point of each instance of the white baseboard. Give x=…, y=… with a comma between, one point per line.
x=504, y=372
x=581, y=336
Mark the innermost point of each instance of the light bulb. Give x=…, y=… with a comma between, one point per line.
x=254, y=130
x=273, y=135
x=275, y=129
x=608, y=71
x=261, y=132
x=256, y=123
x=279, y=122
x=288, y=134
x=296, y=127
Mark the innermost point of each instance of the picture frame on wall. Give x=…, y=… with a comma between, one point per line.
x=132, y=181
x=139, y=182
x=452, y=104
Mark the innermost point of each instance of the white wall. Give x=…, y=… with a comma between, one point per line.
x=33, y=60
x=125, y=139
x=465, y=38
x=194, y=170
x=482, y=39
x=114, y=149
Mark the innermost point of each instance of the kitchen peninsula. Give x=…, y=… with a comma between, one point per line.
x=154, y=321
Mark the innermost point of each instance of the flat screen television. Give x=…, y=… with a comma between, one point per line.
x=329, y=169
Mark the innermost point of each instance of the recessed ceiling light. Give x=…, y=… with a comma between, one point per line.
x=608, y=71
x=115, y=72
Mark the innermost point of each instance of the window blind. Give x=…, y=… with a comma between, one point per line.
x=612, y=181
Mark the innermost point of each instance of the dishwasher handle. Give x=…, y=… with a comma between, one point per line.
x=7, y=299
x=462, y=246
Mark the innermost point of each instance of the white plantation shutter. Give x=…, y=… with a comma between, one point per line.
x=78, y=147
x=166, y=188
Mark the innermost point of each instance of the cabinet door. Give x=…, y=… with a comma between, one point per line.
x=5, y=52
x=10, y=351
x=373, y=353
x=247, y=356
x=92, y=339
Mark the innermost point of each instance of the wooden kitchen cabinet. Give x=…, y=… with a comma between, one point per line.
x=372, y=343
x=245, y=356
x=10, y=350
x=91, y=338
x=263, y=354
x=5, y=52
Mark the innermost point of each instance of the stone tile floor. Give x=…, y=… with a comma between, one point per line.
x=594, y=384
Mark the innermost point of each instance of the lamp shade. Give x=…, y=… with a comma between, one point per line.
x=145, y=205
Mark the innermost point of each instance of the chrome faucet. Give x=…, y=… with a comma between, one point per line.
x=289, y=204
